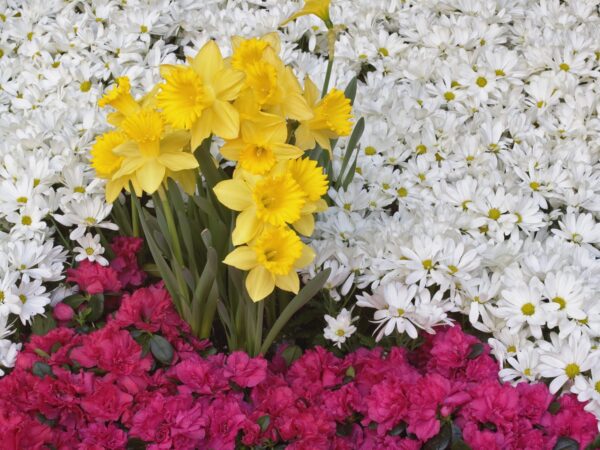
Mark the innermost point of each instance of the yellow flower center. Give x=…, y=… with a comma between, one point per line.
x=500, y=73
x=449, y=96
x=453, y=269
x=23, y=298
x=2, y=296
x=402, y=192
x=528, y=309
x=85, y=86
x=79, y=189
x=340, y=333
x=89, y=251
x=534, y=185
x=26, y=220
x=564, y=67
x=90, y=220
x=511, y=349
x=333, y=113
x=400, y=312
x=481, y=82
x=261, y=77
x=465, y=205
x=597, y=386
x=183, y=97
x=427, y=264
x=247, y=52
x=527, y=372
x=540, y=104
x=421, y=149
x=257, y=159
x=103, y=159
x=572, y=370
x=277, y=249
x=278, y=199
x=370, y=151
x=22, y=200
x=560, y=301
x=494, y=214
x=577, y=238
x=145, y=128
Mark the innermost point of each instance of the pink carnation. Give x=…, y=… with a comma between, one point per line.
x=125, y=262
x=94, y=278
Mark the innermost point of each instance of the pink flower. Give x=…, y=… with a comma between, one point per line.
x=245, y=371
x=19, y=431
x=426, y=397
x=94, y=278
x=105, y=402
x=125, y=262
x=387, y=404
x=100, y=436
x=573, y=421
x=63, y=312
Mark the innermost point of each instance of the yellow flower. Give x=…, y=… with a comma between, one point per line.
x=197, y=97
x=249, y=51
x=274, y=200
x=150, y=152
x=269, y=85
x=313, y=182
x=272, y=260
x=119, y=97
x=331, y=119
x=319, y=8
x=261, y=145
x=104, y=161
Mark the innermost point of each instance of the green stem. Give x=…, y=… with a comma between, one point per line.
x=327, y=76
x=135, y=220
x=171, y=224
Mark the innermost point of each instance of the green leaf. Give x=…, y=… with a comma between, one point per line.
x=42, y=324
x=41, y=353
x=264, y=422
x=350, y=372
x=554, y=407
x=41, y=369
x=566, y=443
x=459, y=444
x=476, y=350
x=96, y=305
x=291, y=354
x=398, y=429
x=74, y=300
x=357, y=133
x=441, y=441
x=161, y=349
x=305, y=294
x=595, y=444
x=350, y=91
x=136, y=444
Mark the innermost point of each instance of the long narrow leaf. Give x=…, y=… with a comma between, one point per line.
x=357, y=133
x=305, y=294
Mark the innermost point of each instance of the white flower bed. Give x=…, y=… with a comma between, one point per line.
x=477, y=181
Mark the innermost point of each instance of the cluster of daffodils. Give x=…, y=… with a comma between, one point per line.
x=249, y=101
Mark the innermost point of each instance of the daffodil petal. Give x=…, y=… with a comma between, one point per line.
x=289, y=282
x=259, y=283
x=247, y=226
x=231, y=149
x=208, y=62
x=297, y=108
x=229, y=84
x=128, y=166
x=226, y=120
x=178, y=161
x=243, y=258
x=286, y=151
x=127, y=149
x=305, y=225
x=175, y=141
x=234, y=194
x=150, y=176
x=307, y=256
x=201, y=129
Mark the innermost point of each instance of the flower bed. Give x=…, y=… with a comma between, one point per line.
x=142, y=381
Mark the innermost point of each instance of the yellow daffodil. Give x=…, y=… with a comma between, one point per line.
x=274, y=200
x=269, y=84
x=319, y=8
x=249, y=51
x=149, y=151
x=313, y=182
x=106, y=163
x=197, y=97
x=332, y=118
x=261, y=144
x=272, y=260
